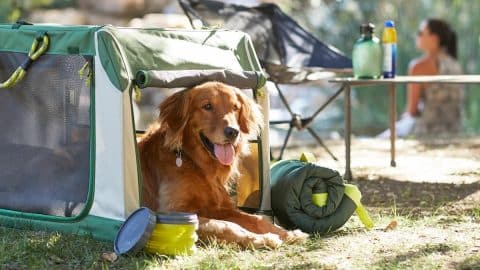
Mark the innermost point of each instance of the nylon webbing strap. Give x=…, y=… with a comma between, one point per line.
x=39, y=47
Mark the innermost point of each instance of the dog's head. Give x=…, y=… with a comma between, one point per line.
x=212, y=119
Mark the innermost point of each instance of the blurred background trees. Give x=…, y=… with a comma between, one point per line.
x=333, y=21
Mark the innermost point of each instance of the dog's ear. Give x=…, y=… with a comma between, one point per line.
x=174, y=112
x=251, y=118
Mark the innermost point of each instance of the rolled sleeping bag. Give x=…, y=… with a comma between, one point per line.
x=352, y=191
x=312, y=198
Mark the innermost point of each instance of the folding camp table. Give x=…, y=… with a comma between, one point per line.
x=348, y=83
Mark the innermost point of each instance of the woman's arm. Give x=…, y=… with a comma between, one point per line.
x=414, y=90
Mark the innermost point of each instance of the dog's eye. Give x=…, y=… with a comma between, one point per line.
x=236, y=107
x=207, y=107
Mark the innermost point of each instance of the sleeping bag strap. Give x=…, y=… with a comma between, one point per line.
x=35, y=52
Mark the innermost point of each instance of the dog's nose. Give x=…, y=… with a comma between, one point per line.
x=230, y=133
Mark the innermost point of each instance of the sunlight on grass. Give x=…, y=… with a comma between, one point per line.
x=53, y=240
x=476, y=213
x=437, y=228
x=428, y=243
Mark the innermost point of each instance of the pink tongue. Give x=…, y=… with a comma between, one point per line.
x=224, y=153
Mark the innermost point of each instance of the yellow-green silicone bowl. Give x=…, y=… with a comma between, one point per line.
x=179, y=248
x=174, y=234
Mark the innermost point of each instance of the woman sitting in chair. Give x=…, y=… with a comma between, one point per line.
x=433, y=108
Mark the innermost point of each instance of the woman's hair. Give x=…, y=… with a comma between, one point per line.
x=447, y=37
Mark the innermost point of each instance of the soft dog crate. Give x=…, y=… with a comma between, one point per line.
x=68, y=159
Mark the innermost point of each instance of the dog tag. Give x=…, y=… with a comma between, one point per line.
x=179, y=162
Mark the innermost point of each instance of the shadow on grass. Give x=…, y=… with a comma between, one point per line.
x=302, y=266
x=470, y=263
x=396, y=261
x=23, y=249
x=403, y=195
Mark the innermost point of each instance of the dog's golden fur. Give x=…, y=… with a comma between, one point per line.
x=200, y=185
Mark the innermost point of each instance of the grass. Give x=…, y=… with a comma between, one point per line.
x=436, y=241
x=434, y=197
x=421, y=256
x=471, y=262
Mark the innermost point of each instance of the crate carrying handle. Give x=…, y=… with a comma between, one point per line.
x=35, y=52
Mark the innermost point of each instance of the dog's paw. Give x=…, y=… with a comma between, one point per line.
x=295, y=236
x=268, y=240
x=272, y=240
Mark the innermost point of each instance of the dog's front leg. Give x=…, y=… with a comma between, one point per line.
x=229, y=232
x=257, y=224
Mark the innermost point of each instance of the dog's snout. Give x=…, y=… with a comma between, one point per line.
x=230, y=133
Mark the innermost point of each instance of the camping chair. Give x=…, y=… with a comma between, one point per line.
x=289, y=54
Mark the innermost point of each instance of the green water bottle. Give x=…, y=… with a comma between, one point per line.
x=367, y=54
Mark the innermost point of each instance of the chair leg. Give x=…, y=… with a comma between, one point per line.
x=292, y=115
x=304, y=122
x=285, y=142
x=320, y=141
x=284, y=99
x=332, y=98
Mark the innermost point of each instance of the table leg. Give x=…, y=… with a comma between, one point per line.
x=393, y=119
x=348, y=120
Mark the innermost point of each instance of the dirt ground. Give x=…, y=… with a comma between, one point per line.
x=429, y=173
x=433, y=194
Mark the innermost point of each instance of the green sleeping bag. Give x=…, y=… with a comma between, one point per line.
x=312, y=198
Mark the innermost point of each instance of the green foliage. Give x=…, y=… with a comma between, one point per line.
x=13, y=10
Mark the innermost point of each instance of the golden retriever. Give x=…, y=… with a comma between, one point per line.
x=190, y=155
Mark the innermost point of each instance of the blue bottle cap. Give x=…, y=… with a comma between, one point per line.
x=135, y=231
x=389, y=24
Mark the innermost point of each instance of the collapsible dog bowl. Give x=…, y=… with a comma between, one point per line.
x=135, y=231
x=174, y=248
x=174, y=234
x=164, y=232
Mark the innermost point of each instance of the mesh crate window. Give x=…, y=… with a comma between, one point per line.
x=45, y=139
